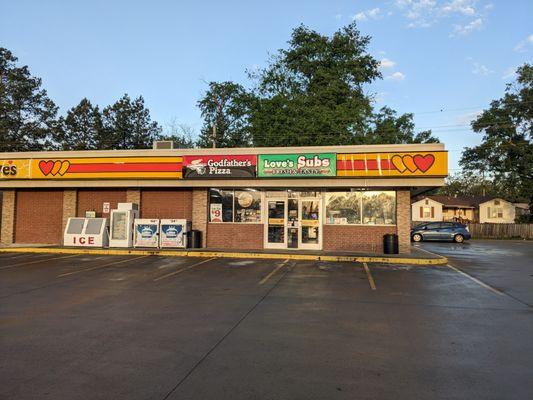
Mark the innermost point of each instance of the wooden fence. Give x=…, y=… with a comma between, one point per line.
x=501, y=231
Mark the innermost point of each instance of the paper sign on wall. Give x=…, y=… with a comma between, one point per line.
x=215, y=212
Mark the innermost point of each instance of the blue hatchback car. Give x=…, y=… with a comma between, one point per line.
x=454, y=231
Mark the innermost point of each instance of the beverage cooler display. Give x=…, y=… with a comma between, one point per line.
x=122, y=218
x=173, y=233
x=86, y=232
x=146, y=233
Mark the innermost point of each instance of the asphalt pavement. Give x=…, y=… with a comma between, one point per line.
x=149, y=327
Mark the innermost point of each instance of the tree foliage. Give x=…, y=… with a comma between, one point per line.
x=311, y=93
x=506, y=150
x=471, y=184
x=128, y=125
x=225, y=106
x=27, y=116
x=82, y=128
x=181, y=134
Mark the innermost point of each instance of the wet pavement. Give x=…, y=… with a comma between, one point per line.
x=504, y=264
x=149, y=327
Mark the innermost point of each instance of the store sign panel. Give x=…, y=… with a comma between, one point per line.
x=92, y=168
x=220, y=166
x=308, y=165
x=416, y=164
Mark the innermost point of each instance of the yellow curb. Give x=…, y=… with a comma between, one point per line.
x=220, y=254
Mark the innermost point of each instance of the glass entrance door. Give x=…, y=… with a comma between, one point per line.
x=294, y=222
x=276, y=223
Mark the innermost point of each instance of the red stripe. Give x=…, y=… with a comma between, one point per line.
x=129, y=167
x=359, y=165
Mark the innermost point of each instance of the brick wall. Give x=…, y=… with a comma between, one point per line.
x=403, y=220
x=359, y=238
x=69, y=206
x=8, y=217
x=199, y=212
x=93, y=200
x=235, y=236
x=39, y=216
x=171, y=203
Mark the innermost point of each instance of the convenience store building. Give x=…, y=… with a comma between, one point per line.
x=332, y=198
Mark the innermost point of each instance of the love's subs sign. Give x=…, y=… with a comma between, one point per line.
x=421, y=164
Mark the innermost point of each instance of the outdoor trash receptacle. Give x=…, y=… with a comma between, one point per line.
x=196, y=239
x=390, y=243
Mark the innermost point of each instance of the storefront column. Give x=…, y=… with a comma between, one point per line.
x=134, y=196
x=70, y=205
x=8, y=217
x=403, y=220
x=199, y=213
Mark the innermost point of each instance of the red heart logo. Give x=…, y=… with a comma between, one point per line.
x=46, y=166
x=424, y=162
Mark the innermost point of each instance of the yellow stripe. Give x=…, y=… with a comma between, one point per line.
x=221, y=254
x=36, y=261
x=181, y=270
x=99, y=267
x=266, y=278
x=369, y=276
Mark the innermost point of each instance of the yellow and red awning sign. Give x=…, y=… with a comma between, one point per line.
x=92, y=168
x=419, y=164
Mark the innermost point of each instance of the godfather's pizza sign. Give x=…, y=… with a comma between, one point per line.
x=220, y=166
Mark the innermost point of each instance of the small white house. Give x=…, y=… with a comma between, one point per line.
x=497, y=211
x=426, y=210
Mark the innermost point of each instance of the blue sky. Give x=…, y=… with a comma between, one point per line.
x=442, y=60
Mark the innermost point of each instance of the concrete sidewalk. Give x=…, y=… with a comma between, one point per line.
x=417, y=256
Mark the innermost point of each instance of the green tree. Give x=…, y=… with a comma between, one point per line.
x=471, y=184
x=313, y=92
x=127, y=125
x=27, y=116
x=388, y=128
x=506, y=151
x=225, y=107
x=82, y=127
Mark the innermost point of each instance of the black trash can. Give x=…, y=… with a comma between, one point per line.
x=195, y=239
x=390, y=243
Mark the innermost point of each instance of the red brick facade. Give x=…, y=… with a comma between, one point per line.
x=39, y=216
x=171, y=203
x=363, y=238
x=235, y=236
x=93, y=200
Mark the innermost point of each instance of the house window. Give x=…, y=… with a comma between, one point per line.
x=496, y=202
x=426, y=212
x=494, y=212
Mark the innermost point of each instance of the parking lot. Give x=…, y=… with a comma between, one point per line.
x=149, y=327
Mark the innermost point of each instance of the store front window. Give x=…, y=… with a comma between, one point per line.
x=361, y=208
x=240, y=205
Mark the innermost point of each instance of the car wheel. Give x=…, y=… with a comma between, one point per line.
x=417, y=237
x=458, y=239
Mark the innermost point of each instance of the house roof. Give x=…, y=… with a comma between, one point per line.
x=459, y=201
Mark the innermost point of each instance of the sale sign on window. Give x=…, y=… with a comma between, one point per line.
x=216, y=213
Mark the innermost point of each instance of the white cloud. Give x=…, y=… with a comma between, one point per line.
x=480, y=69
x=338, y=16
x=386, y=63
x=396, y=76
x=509, y=73
x=380, y=97
x=462, y=30
x=373, y=13
x=523, y=45
x=465, y=7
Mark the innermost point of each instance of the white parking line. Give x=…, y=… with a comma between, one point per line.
x=266, y=278
x=475, y=280
x=182, y=270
